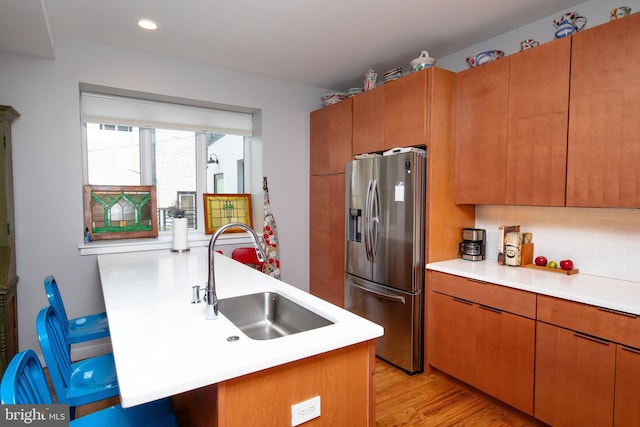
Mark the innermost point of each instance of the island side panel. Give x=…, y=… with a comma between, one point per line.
x=342, y=378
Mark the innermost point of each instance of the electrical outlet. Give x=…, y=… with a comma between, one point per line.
x=305, y=411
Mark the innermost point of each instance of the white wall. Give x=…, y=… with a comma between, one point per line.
x=602, y=242
x=47, y=159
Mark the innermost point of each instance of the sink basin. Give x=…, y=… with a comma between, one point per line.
x=269, y=315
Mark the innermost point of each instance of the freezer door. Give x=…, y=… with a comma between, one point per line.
x=399, y=257
x=399, y=313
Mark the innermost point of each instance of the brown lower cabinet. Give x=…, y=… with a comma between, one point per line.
x=627, y=405
x=587, y=365
x=475, y=338
x=575, y=376
x=586, y=358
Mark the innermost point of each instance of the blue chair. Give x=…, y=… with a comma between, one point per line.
x=24, y=383
x=77, y=383
x=80, y=329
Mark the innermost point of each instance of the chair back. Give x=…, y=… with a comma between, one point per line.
x=247, y=256
x=24, y=382
x=55, y=349
x=55, y=299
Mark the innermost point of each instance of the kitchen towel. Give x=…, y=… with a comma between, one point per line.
x=270, y=235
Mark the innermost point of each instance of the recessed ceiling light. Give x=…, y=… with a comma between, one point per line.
x=147, y=24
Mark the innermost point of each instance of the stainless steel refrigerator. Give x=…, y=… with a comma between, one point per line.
x=384, y=256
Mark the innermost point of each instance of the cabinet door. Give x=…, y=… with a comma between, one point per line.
x=574, y=378
x=327, y=237
x=330, y=138
x=537, y=125
x=405, y=111
x=505, y=357
x=368, y=121
x=603, y=151
x=627, y=407
x=481, y=134
x=452, y=345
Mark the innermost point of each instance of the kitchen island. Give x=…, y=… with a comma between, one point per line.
x=163, y=346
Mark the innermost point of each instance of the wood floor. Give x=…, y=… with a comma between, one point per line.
x=437, y=400
x=420, y=400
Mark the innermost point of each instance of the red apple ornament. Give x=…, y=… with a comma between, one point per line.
x=541, y=261
x=566, y=264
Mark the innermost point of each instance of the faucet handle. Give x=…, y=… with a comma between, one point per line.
x=195, y=294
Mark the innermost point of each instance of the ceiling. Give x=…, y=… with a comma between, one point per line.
x=323, y=43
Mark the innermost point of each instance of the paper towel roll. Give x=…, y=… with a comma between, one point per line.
x=180, y=241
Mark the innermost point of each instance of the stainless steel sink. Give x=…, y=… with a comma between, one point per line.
x=269, y=315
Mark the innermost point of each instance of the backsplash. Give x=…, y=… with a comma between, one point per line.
x=601, y=242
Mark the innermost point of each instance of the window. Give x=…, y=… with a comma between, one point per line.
x=131, y=141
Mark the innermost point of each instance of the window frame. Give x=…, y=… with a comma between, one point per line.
x=197, y=237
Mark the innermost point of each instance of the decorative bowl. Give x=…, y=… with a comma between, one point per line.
x=332, y=98
x=484, y=57
x=422, y=61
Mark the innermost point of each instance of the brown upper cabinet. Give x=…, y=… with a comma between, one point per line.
x=537, y=125
x=554, y=125
x=392, y=115
x=604, y=130
x=512, y=128
x=330, y=138
x=481, y=133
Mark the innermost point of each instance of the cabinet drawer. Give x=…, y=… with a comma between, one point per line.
x=515, y=301
x=615, y=326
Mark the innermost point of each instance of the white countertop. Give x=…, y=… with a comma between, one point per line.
x=614, y=294
x=164, y=346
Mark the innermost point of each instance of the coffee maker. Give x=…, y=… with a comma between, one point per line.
x=473, y=245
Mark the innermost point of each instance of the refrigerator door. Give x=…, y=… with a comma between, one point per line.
x=399, y=222
x=359, y=175
x=399, y=313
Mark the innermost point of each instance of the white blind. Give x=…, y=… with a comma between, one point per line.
x=109, y=109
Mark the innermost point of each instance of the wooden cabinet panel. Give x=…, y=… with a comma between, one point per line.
x=481, y=133
x=342, y=378
x=452, y=338
x=406, y=111
x=627, y=406
x=537, y=125
x=368, y=121
x=488, y=348
x=505, y=357
x=8, y=275
x=504, y=298
x=330, y=138
x=603, y=150
x=326, y=237
x=611, y=325
x=574, y=378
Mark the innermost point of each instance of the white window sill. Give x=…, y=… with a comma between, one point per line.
x=161, y=242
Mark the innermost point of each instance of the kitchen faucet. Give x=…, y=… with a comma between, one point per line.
x=210, y=293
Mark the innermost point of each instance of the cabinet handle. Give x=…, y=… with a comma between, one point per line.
x=590, y=338
x=495, y=310
x=621, y=313
x=464, y=301
x=481, y=282
x=631, y=349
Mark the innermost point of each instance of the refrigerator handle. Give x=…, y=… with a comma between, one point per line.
x=394, y=298
x=367, y=222
x=375, y=219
